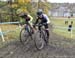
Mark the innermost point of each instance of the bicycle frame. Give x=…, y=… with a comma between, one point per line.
x=40, y=27
x=27, y=27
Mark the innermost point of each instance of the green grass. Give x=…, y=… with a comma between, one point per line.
x=10, y=36
x=64, y=33
x=61, y=23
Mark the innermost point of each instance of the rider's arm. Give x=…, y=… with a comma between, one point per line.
x=31, y=18
x=36, y=21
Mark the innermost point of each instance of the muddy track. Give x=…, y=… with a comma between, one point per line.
x=54, y=50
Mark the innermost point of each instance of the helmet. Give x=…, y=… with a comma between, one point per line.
x=23, y=15
x=40, y=12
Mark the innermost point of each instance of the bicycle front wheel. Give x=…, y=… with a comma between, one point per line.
x=39, y=40
x=24, y=36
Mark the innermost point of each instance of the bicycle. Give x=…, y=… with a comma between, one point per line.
x=39, y=36
x=25, y=34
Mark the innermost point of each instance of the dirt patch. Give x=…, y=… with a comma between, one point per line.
x=58, y=47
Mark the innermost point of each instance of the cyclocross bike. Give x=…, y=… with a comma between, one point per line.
x=39, y=36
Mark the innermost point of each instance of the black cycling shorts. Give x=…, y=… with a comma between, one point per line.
x=46, y=26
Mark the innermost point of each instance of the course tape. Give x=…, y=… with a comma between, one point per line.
x=10, y=23
x=60, y=27
x=64, y=28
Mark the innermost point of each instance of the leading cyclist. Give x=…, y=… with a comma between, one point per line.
x=44, y=20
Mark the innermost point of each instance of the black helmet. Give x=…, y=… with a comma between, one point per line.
x=40, y=12
x=23, y=15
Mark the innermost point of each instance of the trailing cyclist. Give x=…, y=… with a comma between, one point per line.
x=28, y=19
x=43, y=18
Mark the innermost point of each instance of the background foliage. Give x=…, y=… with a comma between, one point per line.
x=9, y=11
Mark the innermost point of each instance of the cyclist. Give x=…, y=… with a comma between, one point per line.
x=28, y=19
x=44, y=20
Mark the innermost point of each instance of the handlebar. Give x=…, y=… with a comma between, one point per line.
x=40, y=24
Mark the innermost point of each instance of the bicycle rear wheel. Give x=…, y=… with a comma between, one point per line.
x=24, y=36
x=39, y=40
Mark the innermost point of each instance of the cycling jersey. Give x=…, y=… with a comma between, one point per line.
x=44, y=19
x=31, y=18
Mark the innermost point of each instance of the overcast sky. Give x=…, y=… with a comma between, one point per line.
x=60, y=1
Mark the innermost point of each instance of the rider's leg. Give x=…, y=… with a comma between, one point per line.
x=30, y=24
x=47, y=31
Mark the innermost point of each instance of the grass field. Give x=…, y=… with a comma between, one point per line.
x=10, y=33
x=63, y=31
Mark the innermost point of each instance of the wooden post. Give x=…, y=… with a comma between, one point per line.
x=70, y=29
x=71, y=33
x=2, y=35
